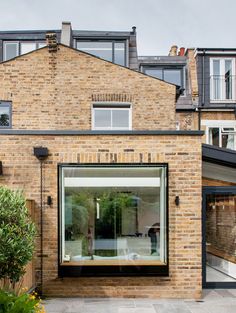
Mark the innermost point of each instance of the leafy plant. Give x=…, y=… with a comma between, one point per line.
x=17, y=233
x=23, y=303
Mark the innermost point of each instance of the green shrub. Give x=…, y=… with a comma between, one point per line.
x=24, y=303
x=17, y=233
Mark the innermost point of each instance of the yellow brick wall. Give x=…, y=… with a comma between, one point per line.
x=59, y=88
x=22, y=171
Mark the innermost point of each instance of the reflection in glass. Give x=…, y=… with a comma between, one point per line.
x=221, y=237
x=173, y=76
x=10, y=50
x=228, y=138
x=120, y=118
x=119, y=53
x=154, y=72
x=98, y=48
x=26, y=47
x=4, y=116
x=114, y=215
x=102, y=118
x=214, y=135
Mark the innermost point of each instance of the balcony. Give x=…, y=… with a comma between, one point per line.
x=222, y=88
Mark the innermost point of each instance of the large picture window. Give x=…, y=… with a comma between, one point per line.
x=113, y=216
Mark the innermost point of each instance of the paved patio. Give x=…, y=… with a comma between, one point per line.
x=214, y=301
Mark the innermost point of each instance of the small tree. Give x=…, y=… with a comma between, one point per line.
x=17, y=233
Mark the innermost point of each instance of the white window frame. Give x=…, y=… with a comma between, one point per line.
x=221, y=125
x=113, y=107
x=4, y=48
x=222, y=67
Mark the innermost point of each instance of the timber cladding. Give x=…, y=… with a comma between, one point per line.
x=22, y=171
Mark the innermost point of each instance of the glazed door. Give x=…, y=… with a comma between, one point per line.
x=219, y=237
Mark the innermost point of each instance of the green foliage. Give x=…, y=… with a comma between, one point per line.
x=24, y=303
x=17, y=233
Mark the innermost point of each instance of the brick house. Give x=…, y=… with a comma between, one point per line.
x=117, y=188
x=208, y=103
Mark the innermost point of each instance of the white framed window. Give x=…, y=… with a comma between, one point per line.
x=111, y=116
x=221, y=133
x=222, y=79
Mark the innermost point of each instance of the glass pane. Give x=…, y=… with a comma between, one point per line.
x=27, y=47
x=120, y=118
x=119, y=53
x=221, y=238
x=10, y=50
x=216, y=67
x=228, y=79
x=4, y=116
x=214, y=136
x=102, y=118
x=173, y=76
x=154, y=72
x=41, y=44
x=114, y=216
x=98, y=48
x=217, y=81
x=228, y=138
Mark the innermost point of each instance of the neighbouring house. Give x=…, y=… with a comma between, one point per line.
x=108, y=146
x=208, y=103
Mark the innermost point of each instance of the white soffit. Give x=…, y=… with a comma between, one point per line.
x=218, y=172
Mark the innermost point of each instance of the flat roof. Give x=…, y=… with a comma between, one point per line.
x=218, y=155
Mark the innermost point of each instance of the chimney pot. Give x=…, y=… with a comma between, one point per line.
x=181, y=51
x=134, y=29
x=173, y=51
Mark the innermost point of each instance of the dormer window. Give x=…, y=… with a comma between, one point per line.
x=12, y=49
x=222, y=79
x=113, y=51
x=170, y=74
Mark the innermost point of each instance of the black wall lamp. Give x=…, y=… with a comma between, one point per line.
x=1, y=171
x=177, y=200
x=41, y=153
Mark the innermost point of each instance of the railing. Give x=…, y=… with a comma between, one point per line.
x=222, y=87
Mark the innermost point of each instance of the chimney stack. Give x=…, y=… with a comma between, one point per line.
x=66, y=34
x=51, y=40
x=173, y=51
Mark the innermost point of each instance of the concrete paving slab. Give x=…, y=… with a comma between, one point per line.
x=213, y=301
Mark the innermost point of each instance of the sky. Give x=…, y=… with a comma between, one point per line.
x=160, y=23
